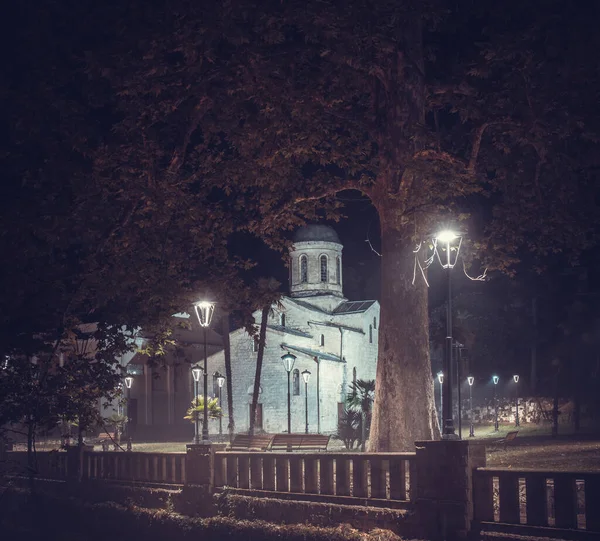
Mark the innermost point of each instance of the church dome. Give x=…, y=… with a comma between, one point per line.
x=316, y=233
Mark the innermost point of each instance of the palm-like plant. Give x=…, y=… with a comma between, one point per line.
x=361, y=397
x=349, y=428
x=196, y=410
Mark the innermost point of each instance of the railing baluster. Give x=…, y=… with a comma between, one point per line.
x=378, y=477
x=535, y=494
x=232, y=471
x=397, y=479
x=326, y=474
x=311, y=480
x=219, y=476
x=295, y=474
x=565, y=501
x=483, y=496
x=244, y=471
x=282, y=473
x=509, y=498
x=359, y=477
x=342, y=476
x=268, y=464
x=592, y=497
x=256, y=472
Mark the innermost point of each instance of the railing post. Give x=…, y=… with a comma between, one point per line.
x=444, y=492
x=199, y=466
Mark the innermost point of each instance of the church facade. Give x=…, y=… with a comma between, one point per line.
x=331, y=337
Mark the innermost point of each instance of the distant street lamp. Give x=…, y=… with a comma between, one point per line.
x=196, y=373
x=448, y=242
x=495, y=379
x=288, y=363
x=220, y=382
x=440, y=377
x=471, y=380
x=204, y=313
x=516, y=380
x=306, y=377
x=128, y=383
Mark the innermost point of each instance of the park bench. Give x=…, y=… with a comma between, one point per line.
x=245, y=442
x=510, y=437
x=300, y=442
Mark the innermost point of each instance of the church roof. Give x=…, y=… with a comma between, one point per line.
x=313, y=353
x=316, y=232
x=353, y=307
x=290, y=330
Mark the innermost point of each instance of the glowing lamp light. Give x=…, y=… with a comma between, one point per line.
x=440, y=376
x=495, y=379
x=288, y=361
x=128, y=382
x=471, y=380
x=516, y=378
x=449, y=242
x=196, y=373
x=220, y=380
x=306, y=376
x=204, y=312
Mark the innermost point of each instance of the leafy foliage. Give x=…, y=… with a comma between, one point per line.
x=196, y=411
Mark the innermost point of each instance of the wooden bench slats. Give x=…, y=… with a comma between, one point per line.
x=243, y=442
x=300, y=442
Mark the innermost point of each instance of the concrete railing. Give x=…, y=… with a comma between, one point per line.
x=567, y=500
x=368, y=476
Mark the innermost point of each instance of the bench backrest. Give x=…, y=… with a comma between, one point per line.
x=298, y=442
x=245, y=441
x=511, y=435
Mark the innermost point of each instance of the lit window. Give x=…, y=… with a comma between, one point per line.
x=303, y=269
x=338, y=271
x=296, y=381
x=323, y=268
x=370, y=334
x=322, y=339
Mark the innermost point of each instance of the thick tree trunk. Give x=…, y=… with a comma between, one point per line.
x=228, y=380
x=259, y=361
x=404, y=409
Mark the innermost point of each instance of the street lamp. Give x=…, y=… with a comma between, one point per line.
x=306, y=377
x=440, y=377
x=471, y=380
x=516, y=380
x=447, y=247
x=204, y=312
x=288, y=363
x=196, y=373
x=495, y=379
x=128, y=383
x=220, y=382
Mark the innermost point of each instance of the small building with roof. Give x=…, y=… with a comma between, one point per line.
x=333, y=338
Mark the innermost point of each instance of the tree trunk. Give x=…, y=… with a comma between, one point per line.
x=228, y=380
x=404, y=409
x=259, y=361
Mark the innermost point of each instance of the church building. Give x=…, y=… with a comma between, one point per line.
x=331, y=337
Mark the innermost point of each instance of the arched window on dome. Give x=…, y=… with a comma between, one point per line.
x=374, y=322
x=303, y=269
x=338, y=271
x=296, y=382
x=323, y=268
x=322, y=340
x=283, y=320
x=370, y=334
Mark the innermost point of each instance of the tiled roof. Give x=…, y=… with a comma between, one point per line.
x=290, y=330
x=313, y=353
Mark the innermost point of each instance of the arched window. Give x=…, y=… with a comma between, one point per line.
x=323, y=268
x=370, y=334
x=374, y=322
x=303, y=269
x=322, y=339
x=283, y=320
x=255, y=344
x=296, y=381
x=338, y=271
x=354, y=381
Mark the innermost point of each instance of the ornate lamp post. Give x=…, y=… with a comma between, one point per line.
x=196, y=373
x=516, y=380
x=128, y=383
x=447, y=247
x=440, y=377
x=495, y=379
x=204, y=312
x=220, y=382
x=471, y=380
x=288, y=363
x=306, y=377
